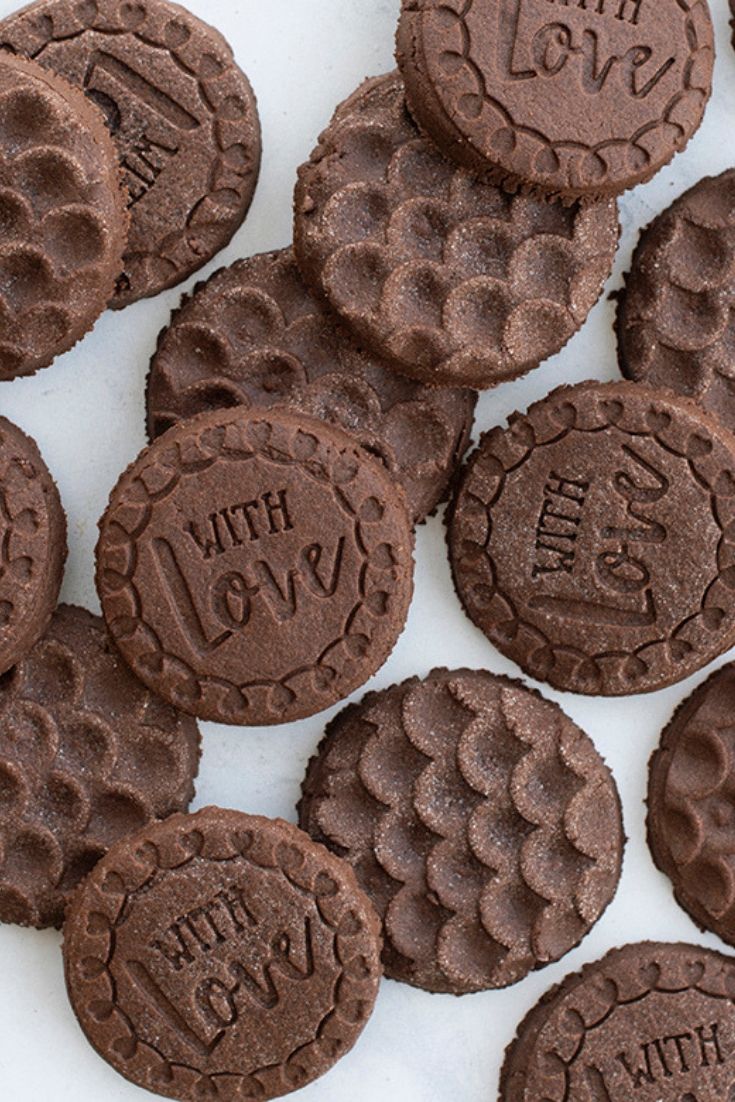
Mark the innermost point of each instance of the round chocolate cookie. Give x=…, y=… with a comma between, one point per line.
x=87, y=755
x=448, y=276
x=255, y=567
x=649, y=1022
x=574, y=98
x=32, y=544
x=675, y=323
x=478, y=818
x=691, y=810
x=254, y=335
x=181, y=113
x=63, y=222
x=593, y=540
x=221, y=955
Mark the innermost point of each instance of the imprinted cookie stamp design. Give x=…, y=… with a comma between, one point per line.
x=593, y=540
x=182, y=114
x=255, y=567
x=222, y=955
x=650, y=1022
x=571, y=97
x=448, y=276
x=478, y=818
x=254, y=335
x=87, y=755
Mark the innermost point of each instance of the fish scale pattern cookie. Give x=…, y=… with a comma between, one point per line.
x=87, y=754
x=676, y=317
x=480, y=820
x=450, y=278
x=63, y=222
x=181, y=113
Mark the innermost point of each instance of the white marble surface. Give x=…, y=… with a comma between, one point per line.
x=303, y=56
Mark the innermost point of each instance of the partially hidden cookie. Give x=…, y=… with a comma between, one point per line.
x=254, y=335
x=479, y=819
x=63, y=218
x=691, y=812
x=652, y=1022
x=32, y=544
x=255, y=567
x=87, y=755
x=182, y=116
x=593, y=539
x=221, y=955
x=446, y=275
x=570, y=97
x=676, y=326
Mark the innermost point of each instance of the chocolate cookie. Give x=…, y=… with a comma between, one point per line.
x=593, y=540
x=87, y=755
x=450, y=278
x=650, y=1022
x=572, y=97
x=675, y=321
x=181, y=113
x=32, y=544
x=255, y=567
x=479, y=819
x=255, y=335
x=63, y=222
x=690, y=804
x=221, y=955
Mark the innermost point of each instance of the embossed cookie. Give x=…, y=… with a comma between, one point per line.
x=676, y=319
x=255, y=567
x=451, y=278
x=87, y=755
x=181, y=113
x=571, y=97
x=593, y=540
x=32, y=544
x=63, y=222
x=650, y=1022
x=255, y=335
x=478, y=818
x=690, y=804
x=221, y=955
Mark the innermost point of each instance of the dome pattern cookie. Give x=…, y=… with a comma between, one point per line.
x=479, y=819
x=451, y=278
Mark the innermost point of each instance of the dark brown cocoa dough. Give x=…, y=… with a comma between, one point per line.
x=478, y=818
x=221, y=955
x=255, y=567
x=254, y=335
x=571, y=98
x=453, y=280
x=593, y=540
x=63, y=219
x=87, y=755
x=182, y=115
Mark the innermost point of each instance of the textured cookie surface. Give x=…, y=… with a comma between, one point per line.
x=650, y=1022
x=572, y=97
x=254, y=335
x=691, y=805
x=676, y=326
x=32, y=544
x=87, y=754
x=593, y=540
x=255, y=567
x=222, y=955
x=454, y=280
x=62, y=217
x=180, y=111
x=480, y=821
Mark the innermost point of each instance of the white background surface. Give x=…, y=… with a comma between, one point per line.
x=86, y=411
